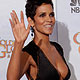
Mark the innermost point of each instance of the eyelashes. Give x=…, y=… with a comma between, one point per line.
x=44, y=14
x=52, y=14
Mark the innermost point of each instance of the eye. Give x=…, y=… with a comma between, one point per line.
x=51, y=14
x=42, y=15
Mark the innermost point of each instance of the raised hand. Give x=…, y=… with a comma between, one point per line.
x=18, y=27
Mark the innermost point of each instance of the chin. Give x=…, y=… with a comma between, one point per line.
x=49, y=33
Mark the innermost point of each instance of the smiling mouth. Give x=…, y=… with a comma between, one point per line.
x=48, y=25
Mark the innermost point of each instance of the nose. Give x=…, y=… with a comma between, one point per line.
x=49, y=19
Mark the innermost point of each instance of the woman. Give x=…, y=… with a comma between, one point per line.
x=40, y=59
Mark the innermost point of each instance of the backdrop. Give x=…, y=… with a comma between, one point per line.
x=66, y=32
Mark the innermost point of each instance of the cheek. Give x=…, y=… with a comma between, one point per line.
x=39, y=22
x=53, y=20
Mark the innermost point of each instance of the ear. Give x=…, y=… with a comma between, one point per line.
x=30, y=21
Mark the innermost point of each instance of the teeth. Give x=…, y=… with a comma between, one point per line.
x=48, y=26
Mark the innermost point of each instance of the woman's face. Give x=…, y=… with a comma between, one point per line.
x=44, y=19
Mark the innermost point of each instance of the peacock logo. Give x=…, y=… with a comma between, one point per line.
x=75, y=2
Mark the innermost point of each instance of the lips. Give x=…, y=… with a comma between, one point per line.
x=49, y=26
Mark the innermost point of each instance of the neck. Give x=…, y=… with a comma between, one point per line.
x=41, y=39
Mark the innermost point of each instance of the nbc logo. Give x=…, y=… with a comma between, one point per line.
x=75, y=6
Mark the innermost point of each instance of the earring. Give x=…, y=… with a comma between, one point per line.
x=32, y=31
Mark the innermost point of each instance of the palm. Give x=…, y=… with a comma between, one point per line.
x=18, y=28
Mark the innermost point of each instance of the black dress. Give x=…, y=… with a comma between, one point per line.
x=46, y=70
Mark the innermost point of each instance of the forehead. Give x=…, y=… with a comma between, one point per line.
x=44, y=8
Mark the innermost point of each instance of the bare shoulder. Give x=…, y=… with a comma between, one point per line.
x=25, y=62
x=26, y=58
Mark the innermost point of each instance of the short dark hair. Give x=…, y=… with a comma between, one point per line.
x=32, y=5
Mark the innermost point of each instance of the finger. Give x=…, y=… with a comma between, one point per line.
x=28, y=29
x=13, y=18
x=16, y=18
x=12, y=25
x=22, y=17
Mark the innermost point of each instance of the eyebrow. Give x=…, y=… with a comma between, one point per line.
x=45, y=12
x=41, y=12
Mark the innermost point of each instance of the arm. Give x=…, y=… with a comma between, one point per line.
x=17, y=65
